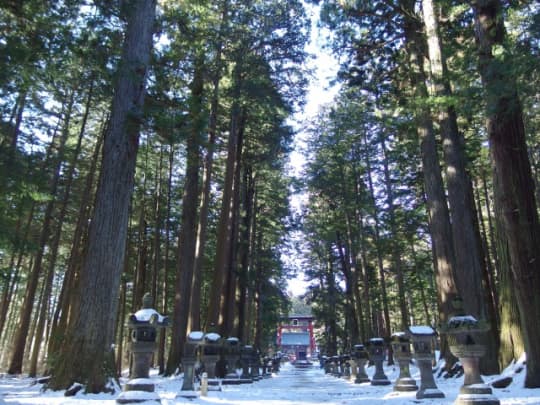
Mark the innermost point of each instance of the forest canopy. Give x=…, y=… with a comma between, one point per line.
x=145, y=148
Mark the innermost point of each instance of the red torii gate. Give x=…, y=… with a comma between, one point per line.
x=295, y=334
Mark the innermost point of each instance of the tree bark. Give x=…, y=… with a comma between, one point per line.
x=470, y=264
x=515, y=190
x=218, y=290
x=69, y=291
x=166, y=266
x=87, y=355
x=16, y=363
x=204, y=205
x=439, y=222
x=396, y=250
x=186, y=243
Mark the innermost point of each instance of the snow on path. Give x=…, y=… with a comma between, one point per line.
x=290, y=386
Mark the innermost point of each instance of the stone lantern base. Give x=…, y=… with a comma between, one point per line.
x=476, y=394
x=405, y=385
x=138, y=390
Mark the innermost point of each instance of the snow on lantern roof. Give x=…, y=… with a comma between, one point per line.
x=212, y=337
x=421, y=330
x=195, y=336
x=145, y=315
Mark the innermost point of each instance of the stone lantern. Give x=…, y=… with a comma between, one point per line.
x=463, y=334
x=401, y=346
x=422, y=337
x=189, y=359
x=210, y=352
x=255, y=365
x=361, y=357
x=376, y=354
x=334, y=366
x=326, y=364
x=246, y=360
x=276, y=362
x=144, y=325
x=344, y=360
x=232, y=358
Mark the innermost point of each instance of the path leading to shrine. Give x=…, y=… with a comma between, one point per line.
x=290, y=386
x=294, y=386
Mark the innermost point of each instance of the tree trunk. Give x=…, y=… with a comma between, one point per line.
x=69, y=291
x=204, y=205
x=437, y=206
x=439, y=222
x=515, y=190
x=16, y=363
x=166, y=266
x=350, y=306
x=186, y=243
x=228, y=309
x=511, y=335
x=246, y=249
x=395, y=238
x=87, y=354
x=55, y=244
x=470, y=264
x=218, y=290
x=378, y=246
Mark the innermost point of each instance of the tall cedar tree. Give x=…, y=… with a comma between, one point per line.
x=465, y=230
x=512, y=171
x=87, y=355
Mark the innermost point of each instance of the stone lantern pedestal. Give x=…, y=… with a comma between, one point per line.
x=361, y=357
x=232, y=358
x=276, y=363
x=210, y=353
x=246, y=359
x=326, y=362
x=345, y=366
x=189, y=359
x=334, y=366
x=255, y=365
x=421, y=337
x=143, y=325
x=401, y=346
x=353, y=367
x=211, y=349
x=463, y=334
x=376, y=354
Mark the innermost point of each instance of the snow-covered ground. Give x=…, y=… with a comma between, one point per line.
x=288, y=387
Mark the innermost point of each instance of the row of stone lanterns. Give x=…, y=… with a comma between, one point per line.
x=462, y=332
x=221, y=358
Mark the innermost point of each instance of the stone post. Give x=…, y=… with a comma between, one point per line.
x=210, y=355
x=326, y=365
x=421, y=337
x=245, y=359
x=361, y=357
x=189, y=359
x=401, y=347
x=276, y=363
x=334, y=366
x=255, y=365
x=463, y=334
x=354, y=367
x=232, y=358
x=345, y=366
x=143, y=325
x=376, y=354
